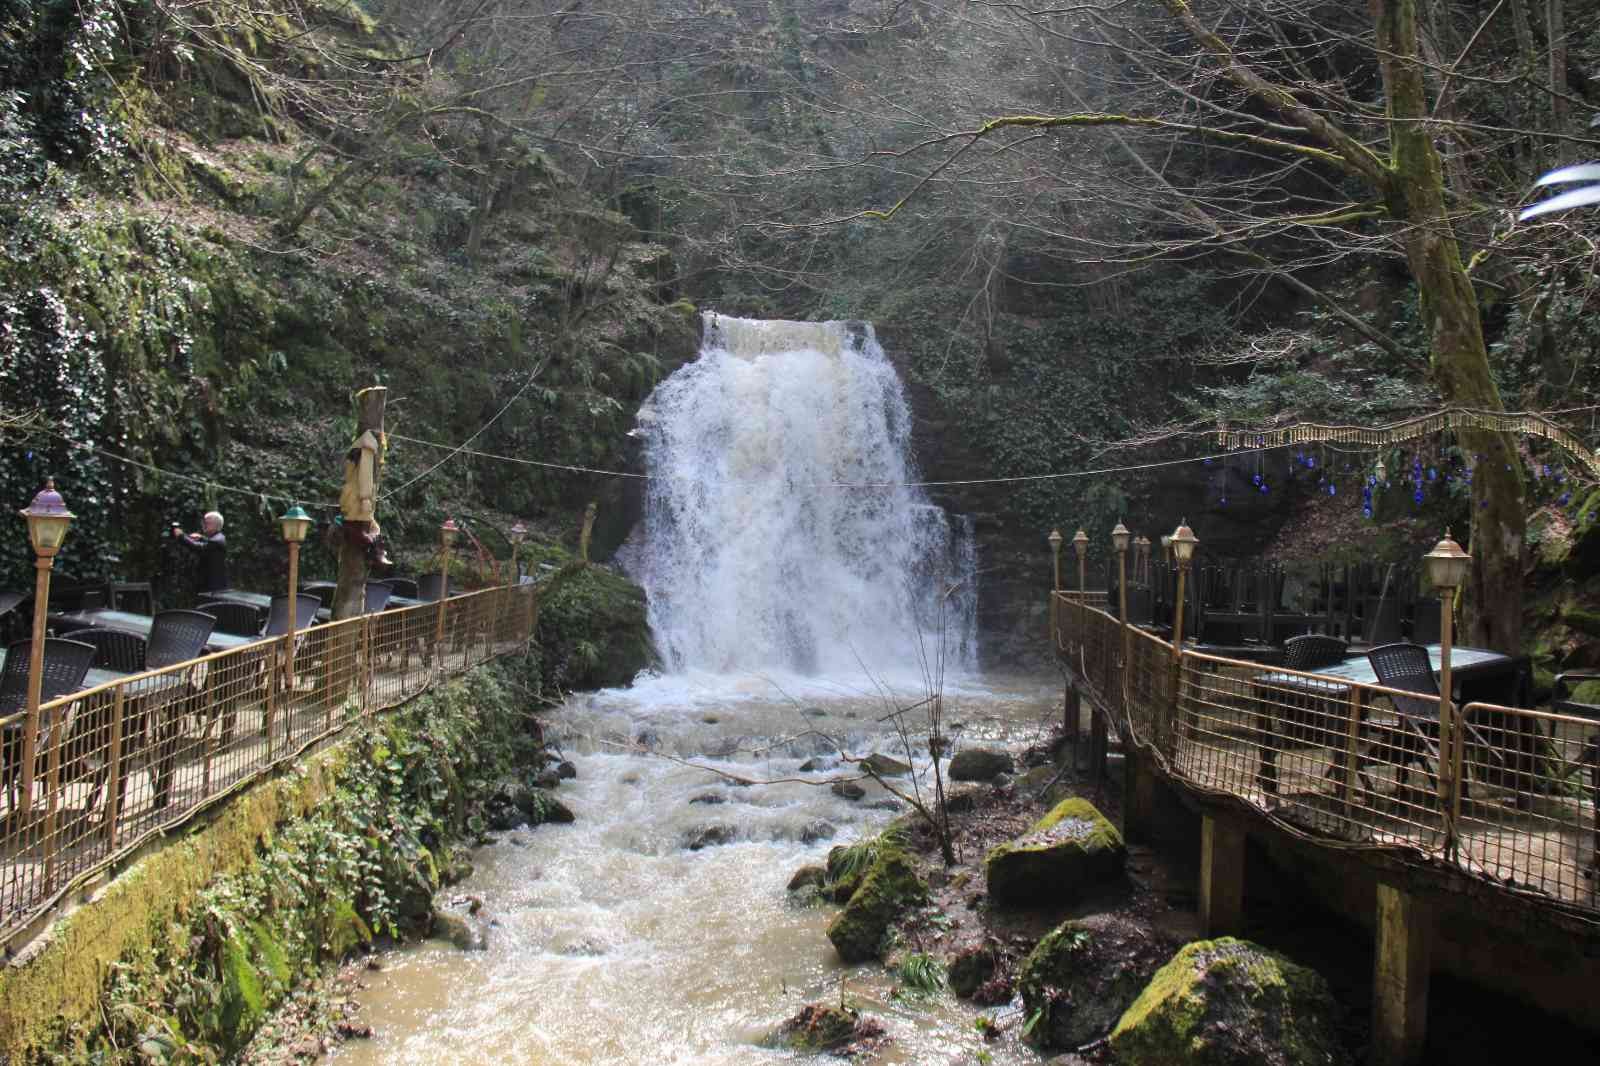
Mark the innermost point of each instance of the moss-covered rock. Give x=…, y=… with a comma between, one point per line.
x=1229, y=1002
x=1076, y=983
x=820, y=1027
x=593, y=629
x=1071, y=849
x=969, y=969
x=890, y=887
x=980, y=764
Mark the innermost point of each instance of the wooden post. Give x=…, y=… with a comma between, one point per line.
x=349, y=599
x=1138, y=798
x=1221, y=875
x=588, y=529
x=1400, y=978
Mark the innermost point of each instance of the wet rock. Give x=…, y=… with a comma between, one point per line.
x=811, y=766
x=462, y=930
x=710, y=719
x=502, y=808
x=1229, y=1002
x=962, y=800
x=1077, y=981
x=808, y=876
x=887, y=804
x=1069, y=850
x=848, y=789
x=648, y=739
x=540, y=806
x=980, y=764
x=709, y=836
x=517, y=840
x=547, y=779
x=565, y=770
x=814, y=712
x=884, y=765
x=455, y=868
x=710, y=798
x=968, y=970
x=820, y=1027
x=891, y=887
x=629, y=779
x=818, y=830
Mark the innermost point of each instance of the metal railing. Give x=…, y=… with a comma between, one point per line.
x=120, y=762
x=1506, y=795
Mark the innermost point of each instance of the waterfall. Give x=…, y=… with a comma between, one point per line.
x=779, y=530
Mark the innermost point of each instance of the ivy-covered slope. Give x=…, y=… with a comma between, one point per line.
x=156, y=306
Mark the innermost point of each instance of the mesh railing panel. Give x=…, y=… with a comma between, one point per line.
x=127, y=758
x=1337, y=760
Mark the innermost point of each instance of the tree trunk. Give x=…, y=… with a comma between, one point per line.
x=1460, y=358
x=350, y=598
x=1555, y=21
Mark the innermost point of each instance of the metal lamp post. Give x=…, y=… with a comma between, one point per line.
x=1080, y=544
x=1447, y=566
x=1182, y=544
x=296, y=525
x=519, y=533
x=447, y=537
x=48, y=521
x=1055, y=594
x=1121, y=537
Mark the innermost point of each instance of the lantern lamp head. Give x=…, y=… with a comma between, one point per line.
x=296, y=524
x=1121, y=537
x=48, y=520
x=1447, y=565
x=448, y=532
x=1080, y=543
x=519, y=532
x=1055, y=540
x=1184, y=542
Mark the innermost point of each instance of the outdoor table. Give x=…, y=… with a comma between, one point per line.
x=140, y=625
x=263, y=601
x=1476, y=675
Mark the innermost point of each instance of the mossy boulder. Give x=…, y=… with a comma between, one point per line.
x=891, y=886
x=820, y=1027
x=980, y=764
x=971, y=968
x=1069, y=850
x=1229, y=1002
x=593, y=629
x=1077, y=982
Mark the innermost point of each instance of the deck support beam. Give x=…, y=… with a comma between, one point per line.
x=1400, y=971
x=1138, y=797
x=1221, y=875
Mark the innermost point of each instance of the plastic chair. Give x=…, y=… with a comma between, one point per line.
x=62, y=670
x=115, y=649
x=178, y=636
x=1409, y=667
x=239, y=619
x=305, y=614
x=87, y=747
x=429, y=586
x=1300, y=716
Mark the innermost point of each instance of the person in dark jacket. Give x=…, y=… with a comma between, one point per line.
x=212, y=547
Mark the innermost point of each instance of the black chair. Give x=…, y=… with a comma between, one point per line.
x=64, y=664
x=1408, y=667
x=305, y=614
x=429, y=586
x=377, y=597
x=175, y=637
x=115, y=649
x=1302, y=714
x=238, y=619
x=135, y=596
x=87, y=748
x=402, y=586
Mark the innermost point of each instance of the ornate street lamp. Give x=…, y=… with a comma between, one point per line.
x=1182, y=543
x=1055, y=595
x=447, y=537
x=519, y=533
x=296, y=525
x=1080, y=544
x=1121, y=537
x=1447, y=566
x=48, y=521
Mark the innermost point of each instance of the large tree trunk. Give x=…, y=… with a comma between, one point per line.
x=1555, y=21
x=1455, y=329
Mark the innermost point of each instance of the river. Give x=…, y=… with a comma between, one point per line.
x=614, y=943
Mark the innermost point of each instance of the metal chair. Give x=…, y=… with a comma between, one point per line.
x=1301, y=716
x=62, y=669
x=175, y=637
x=1409, y=667
x=305, y=614
x=429, y=586
x=115, y=649
x=377, y=597
x=239, y=619
x=402, y=586
x=91, y=730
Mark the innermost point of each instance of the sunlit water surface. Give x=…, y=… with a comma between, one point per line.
x=614, y=944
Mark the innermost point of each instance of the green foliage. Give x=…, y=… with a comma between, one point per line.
x=920, y=974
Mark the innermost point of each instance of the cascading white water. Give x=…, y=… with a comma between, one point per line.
x=780, y=531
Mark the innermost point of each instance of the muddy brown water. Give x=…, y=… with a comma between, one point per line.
x=613, y=943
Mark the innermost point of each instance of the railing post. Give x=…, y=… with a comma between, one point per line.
x=1352, y=751
x=52, y=786
x=364, y=665
x=114, y=770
